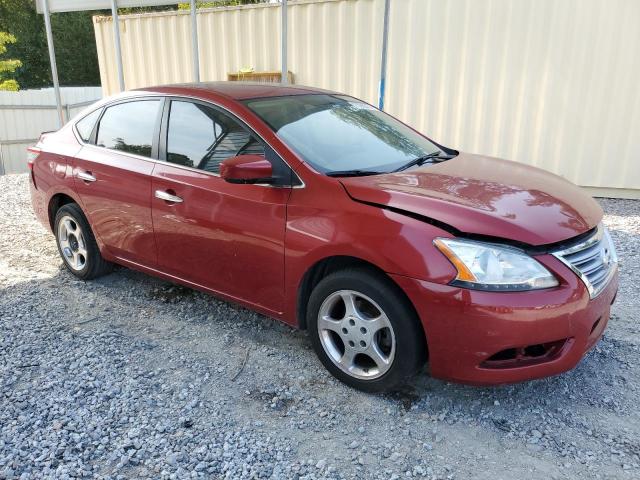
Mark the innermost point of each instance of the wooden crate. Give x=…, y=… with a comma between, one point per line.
x=261, y=77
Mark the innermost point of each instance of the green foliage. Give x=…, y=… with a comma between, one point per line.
x=220, y=3
x=132, y=10
x=74, y=41
x=7, y=66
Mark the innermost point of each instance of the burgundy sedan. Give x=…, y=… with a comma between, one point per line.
x=317, y=209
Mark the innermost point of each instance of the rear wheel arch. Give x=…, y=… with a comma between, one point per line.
x=55, y=203
x=329, y=265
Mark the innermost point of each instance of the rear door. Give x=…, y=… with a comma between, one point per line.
x=112, y=175
x=226, y=237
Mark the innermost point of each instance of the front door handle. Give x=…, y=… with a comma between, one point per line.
x=166, y=196
x=86, y=176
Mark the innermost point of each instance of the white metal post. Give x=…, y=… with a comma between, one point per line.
x=194, y=42
x=284, y=75
x=52, y=61
x=116, y=35
x=383, y=62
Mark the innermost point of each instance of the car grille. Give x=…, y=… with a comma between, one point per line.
x=594, y=260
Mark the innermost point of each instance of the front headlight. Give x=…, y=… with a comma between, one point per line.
x=486, y=266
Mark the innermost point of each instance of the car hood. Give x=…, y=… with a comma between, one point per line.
x=485, y=196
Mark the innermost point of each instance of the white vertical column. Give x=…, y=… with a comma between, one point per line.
x=52, y=61
x=116, y=36
x=383, y=62
x=194, y=42
x=284, y=75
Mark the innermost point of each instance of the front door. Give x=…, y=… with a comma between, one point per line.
x=226, y=237
x=112, y=175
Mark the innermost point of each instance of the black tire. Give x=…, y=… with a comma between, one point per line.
x=410, y=346
x=93, y=265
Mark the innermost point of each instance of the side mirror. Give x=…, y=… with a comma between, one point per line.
x=247, y=169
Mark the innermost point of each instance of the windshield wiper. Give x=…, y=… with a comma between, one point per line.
x=438, y=155
x=352, y=173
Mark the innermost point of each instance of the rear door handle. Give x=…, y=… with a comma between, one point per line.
x=86, y=176
x=166, y=196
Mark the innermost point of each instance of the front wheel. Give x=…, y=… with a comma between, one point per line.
x=365, y=331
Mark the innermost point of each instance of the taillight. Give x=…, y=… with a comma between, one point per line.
x=32, y=154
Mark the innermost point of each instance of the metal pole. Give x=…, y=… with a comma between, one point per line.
x=194, y=42
x=116, y=34
x=284, y=74
x=52, y=61
x=383, y=62
x=1, y=161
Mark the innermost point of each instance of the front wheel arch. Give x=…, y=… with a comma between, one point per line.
x=316, y=273
x=406, y=337
x=329, y=265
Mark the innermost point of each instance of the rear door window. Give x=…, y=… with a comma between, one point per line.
x=129, y=127
x=202, y=137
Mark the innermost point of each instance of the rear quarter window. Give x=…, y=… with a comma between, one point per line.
x=86, y=125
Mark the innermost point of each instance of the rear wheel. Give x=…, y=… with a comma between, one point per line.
x=365, y=331
x=77, y=244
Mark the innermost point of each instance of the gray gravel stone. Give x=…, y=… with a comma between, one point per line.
x=131, y=377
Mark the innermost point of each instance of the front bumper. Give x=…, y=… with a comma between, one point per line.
x=466, y=329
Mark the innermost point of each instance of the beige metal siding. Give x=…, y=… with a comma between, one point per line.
x=156, y=49
x=336, y=45
x=545, y=82
x=332, y=44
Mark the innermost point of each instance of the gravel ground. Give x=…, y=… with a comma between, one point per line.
x=131, y=377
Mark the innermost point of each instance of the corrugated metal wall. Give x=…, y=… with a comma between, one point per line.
x=545, y=82
x=27, y=113
x=333, y=44
x=551, y=83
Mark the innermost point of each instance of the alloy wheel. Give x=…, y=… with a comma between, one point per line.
x=72, y=243
x=356, y=334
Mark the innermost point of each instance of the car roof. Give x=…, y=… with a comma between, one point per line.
x=238, y=90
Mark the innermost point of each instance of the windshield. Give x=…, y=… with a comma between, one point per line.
x=335, y=133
